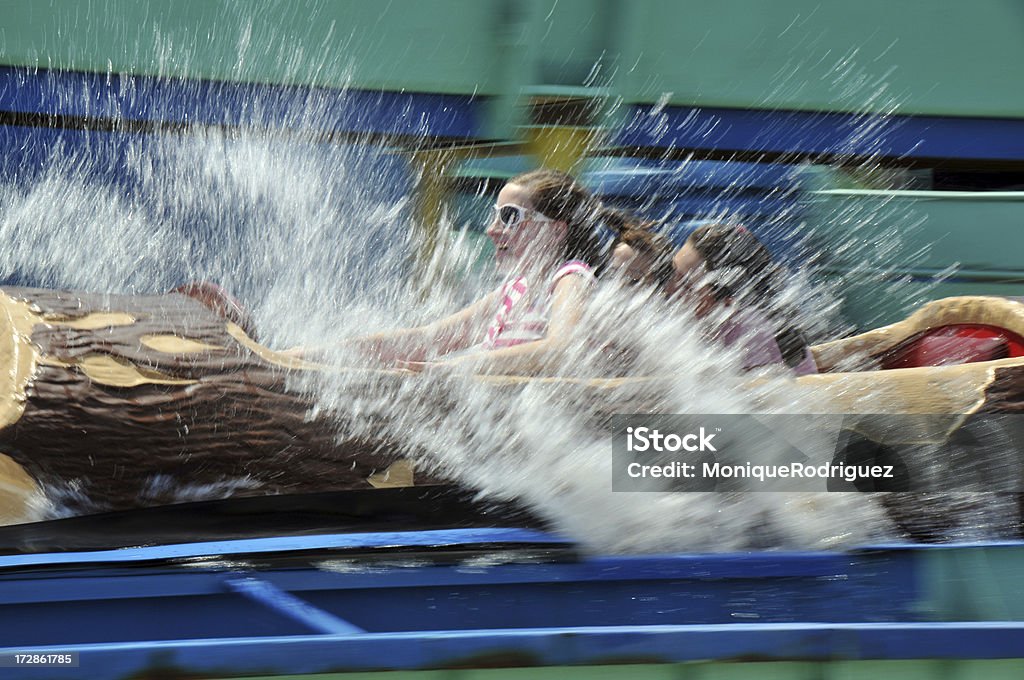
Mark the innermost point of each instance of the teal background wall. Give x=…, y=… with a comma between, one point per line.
x=931, y=56
x=940, y=57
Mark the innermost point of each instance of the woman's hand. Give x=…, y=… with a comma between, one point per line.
x=449, y=366
x=412, y=366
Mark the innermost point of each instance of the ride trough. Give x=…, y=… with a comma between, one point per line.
x=343, y=559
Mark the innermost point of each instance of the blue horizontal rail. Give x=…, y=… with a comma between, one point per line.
x=103, y=97
x=131, y=98
x=107, y=580
x=829, y=133
x=543, y=647
x=404, y=539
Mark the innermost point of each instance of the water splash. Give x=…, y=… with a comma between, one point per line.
x=546, y=443
x=318, y=240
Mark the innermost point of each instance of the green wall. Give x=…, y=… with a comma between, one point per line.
x=430, y=45
x=944, y=57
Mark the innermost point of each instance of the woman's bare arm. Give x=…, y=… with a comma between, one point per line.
x=567, y=306
x=446, y=335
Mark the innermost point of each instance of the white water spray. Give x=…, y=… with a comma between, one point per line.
x=318, y=240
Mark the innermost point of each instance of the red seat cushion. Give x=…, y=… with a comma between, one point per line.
x=955, y=344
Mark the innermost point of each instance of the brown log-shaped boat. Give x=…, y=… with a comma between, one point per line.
x=107, y=392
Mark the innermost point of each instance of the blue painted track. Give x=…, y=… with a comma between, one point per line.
x=447, y=598
x=542, y=647
x=434, y=538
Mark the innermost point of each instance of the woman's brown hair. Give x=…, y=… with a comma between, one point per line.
x=723, y=246
x=561, y=197
x=656, y=248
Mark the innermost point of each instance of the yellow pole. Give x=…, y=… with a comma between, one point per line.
x=431, y=195
x=560, y=147
x=432, y=199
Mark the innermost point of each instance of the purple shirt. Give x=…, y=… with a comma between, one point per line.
x=750, y=331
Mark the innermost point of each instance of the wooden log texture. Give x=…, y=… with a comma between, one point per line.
x=1005, y=391
x=852, y=382
x=126, y=397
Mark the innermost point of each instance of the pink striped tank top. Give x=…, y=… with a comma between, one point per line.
x=516, y=322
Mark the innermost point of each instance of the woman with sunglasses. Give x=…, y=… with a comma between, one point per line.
x=544, y=232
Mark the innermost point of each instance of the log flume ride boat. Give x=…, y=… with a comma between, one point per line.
x=340, y=566
x=111, y=392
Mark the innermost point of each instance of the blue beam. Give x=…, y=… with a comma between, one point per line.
x=542, y=647
x=95, y=581
x=99, y=99
x=269, y=595
x=753, y=131
x=404, y=539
